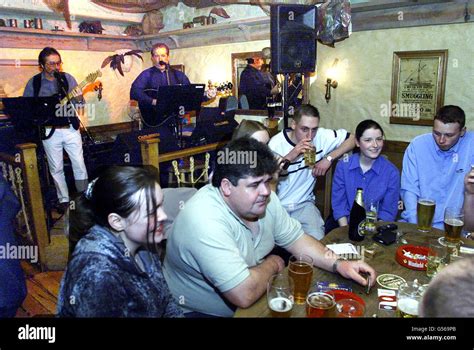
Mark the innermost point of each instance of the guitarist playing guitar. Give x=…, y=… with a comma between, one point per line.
x=160, y=74
x=48, y=83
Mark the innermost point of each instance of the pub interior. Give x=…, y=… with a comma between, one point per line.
x=393, y=62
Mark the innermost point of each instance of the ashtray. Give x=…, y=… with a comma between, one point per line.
x=412, y=257
x=340, y=294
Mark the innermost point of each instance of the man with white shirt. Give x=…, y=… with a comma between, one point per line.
x=295, y=189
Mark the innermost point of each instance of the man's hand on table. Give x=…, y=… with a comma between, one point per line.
x=352, y=270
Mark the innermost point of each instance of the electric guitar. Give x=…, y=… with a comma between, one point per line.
x=78, y=89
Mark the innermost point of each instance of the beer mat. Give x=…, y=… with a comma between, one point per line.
x=390, y=281
x=412, y=257
x=324, y=286
x=345, y=250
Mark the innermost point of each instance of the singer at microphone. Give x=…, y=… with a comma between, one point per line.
x=161, y=74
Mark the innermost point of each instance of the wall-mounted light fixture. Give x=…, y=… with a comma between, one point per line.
x=331, y=82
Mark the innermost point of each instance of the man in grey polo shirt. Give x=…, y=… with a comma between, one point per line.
x=217, y=255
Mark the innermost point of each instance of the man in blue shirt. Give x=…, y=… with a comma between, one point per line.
x=434, y=166
x=160, y=74
x=254, y=85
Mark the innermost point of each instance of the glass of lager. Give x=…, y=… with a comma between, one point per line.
x=280, y=295
x=409, y=296
x=310, y=157
x=425, y=210
x=300, y=268
x=371, y=213
x=436, y=259
x=453, y=224
x=319, y=304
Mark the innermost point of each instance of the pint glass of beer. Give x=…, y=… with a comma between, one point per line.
x=310, y=157
x=436, y=259
x=453, y=224
x=409, y=296
x=319, y=304
x=425, y=211
x=300, y=268
x=280, y=295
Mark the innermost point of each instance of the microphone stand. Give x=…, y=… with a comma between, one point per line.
x=63, y=90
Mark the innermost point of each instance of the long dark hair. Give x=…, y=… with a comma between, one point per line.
x=113, y=192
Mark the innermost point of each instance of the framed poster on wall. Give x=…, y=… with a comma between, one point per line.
x=418, y=84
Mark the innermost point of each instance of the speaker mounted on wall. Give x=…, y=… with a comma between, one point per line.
x=293, y=38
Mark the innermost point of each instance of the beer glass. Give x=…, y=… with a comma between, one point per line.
x=310, y=157
x=280, y=295
x=425, y=210
x=300, y=268
x=319, y=304
x=371, y=213
x=436, y=259
x=409, y=296
x=453, y=224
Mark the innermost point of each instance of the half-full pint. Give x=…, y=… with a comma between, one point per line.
x=407, y=308
x=453, y=229
x=425, y=211
x=300, y=268
x=280, y=307
x=320, y=305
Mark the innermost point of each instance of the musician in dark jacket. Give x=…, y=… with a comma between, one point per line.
x=159, y=75
x=254, y=85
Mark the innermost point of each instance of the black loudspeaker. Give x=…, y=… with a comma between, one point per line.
x=293, y=38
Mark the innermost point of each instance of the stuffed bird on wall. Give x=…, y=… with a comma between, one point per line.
x=122, y=57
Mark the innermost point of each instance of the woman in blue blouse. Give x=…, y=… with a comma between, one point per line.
x=377, y=176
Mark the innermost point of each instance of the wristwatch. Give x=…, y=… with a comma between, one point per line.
x=336, y=264
x=328, y=157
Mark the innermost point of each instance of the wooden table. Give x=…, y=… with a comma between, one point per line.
x=383, y=262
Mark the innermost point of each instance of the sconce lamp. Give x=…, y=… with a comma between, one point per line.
x=329, y=84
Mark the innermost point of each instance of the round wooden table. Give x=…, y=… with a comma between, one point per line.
x=383, y=262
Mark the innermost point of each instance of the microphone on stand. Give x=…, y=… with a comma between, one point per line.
x=163, y=63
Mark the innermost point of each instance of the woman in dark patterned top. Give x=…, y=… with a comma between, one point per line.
x=114, y=270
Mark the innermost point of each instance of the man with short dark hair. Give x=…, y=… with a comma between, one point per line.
x=58, y=138
x=295, y=189
x=160, y=74
x=254, y=85
x=217, y=255
x=435, y=165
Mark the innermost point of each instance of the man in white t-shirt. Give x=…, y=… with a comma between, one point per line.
x=295, y=188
